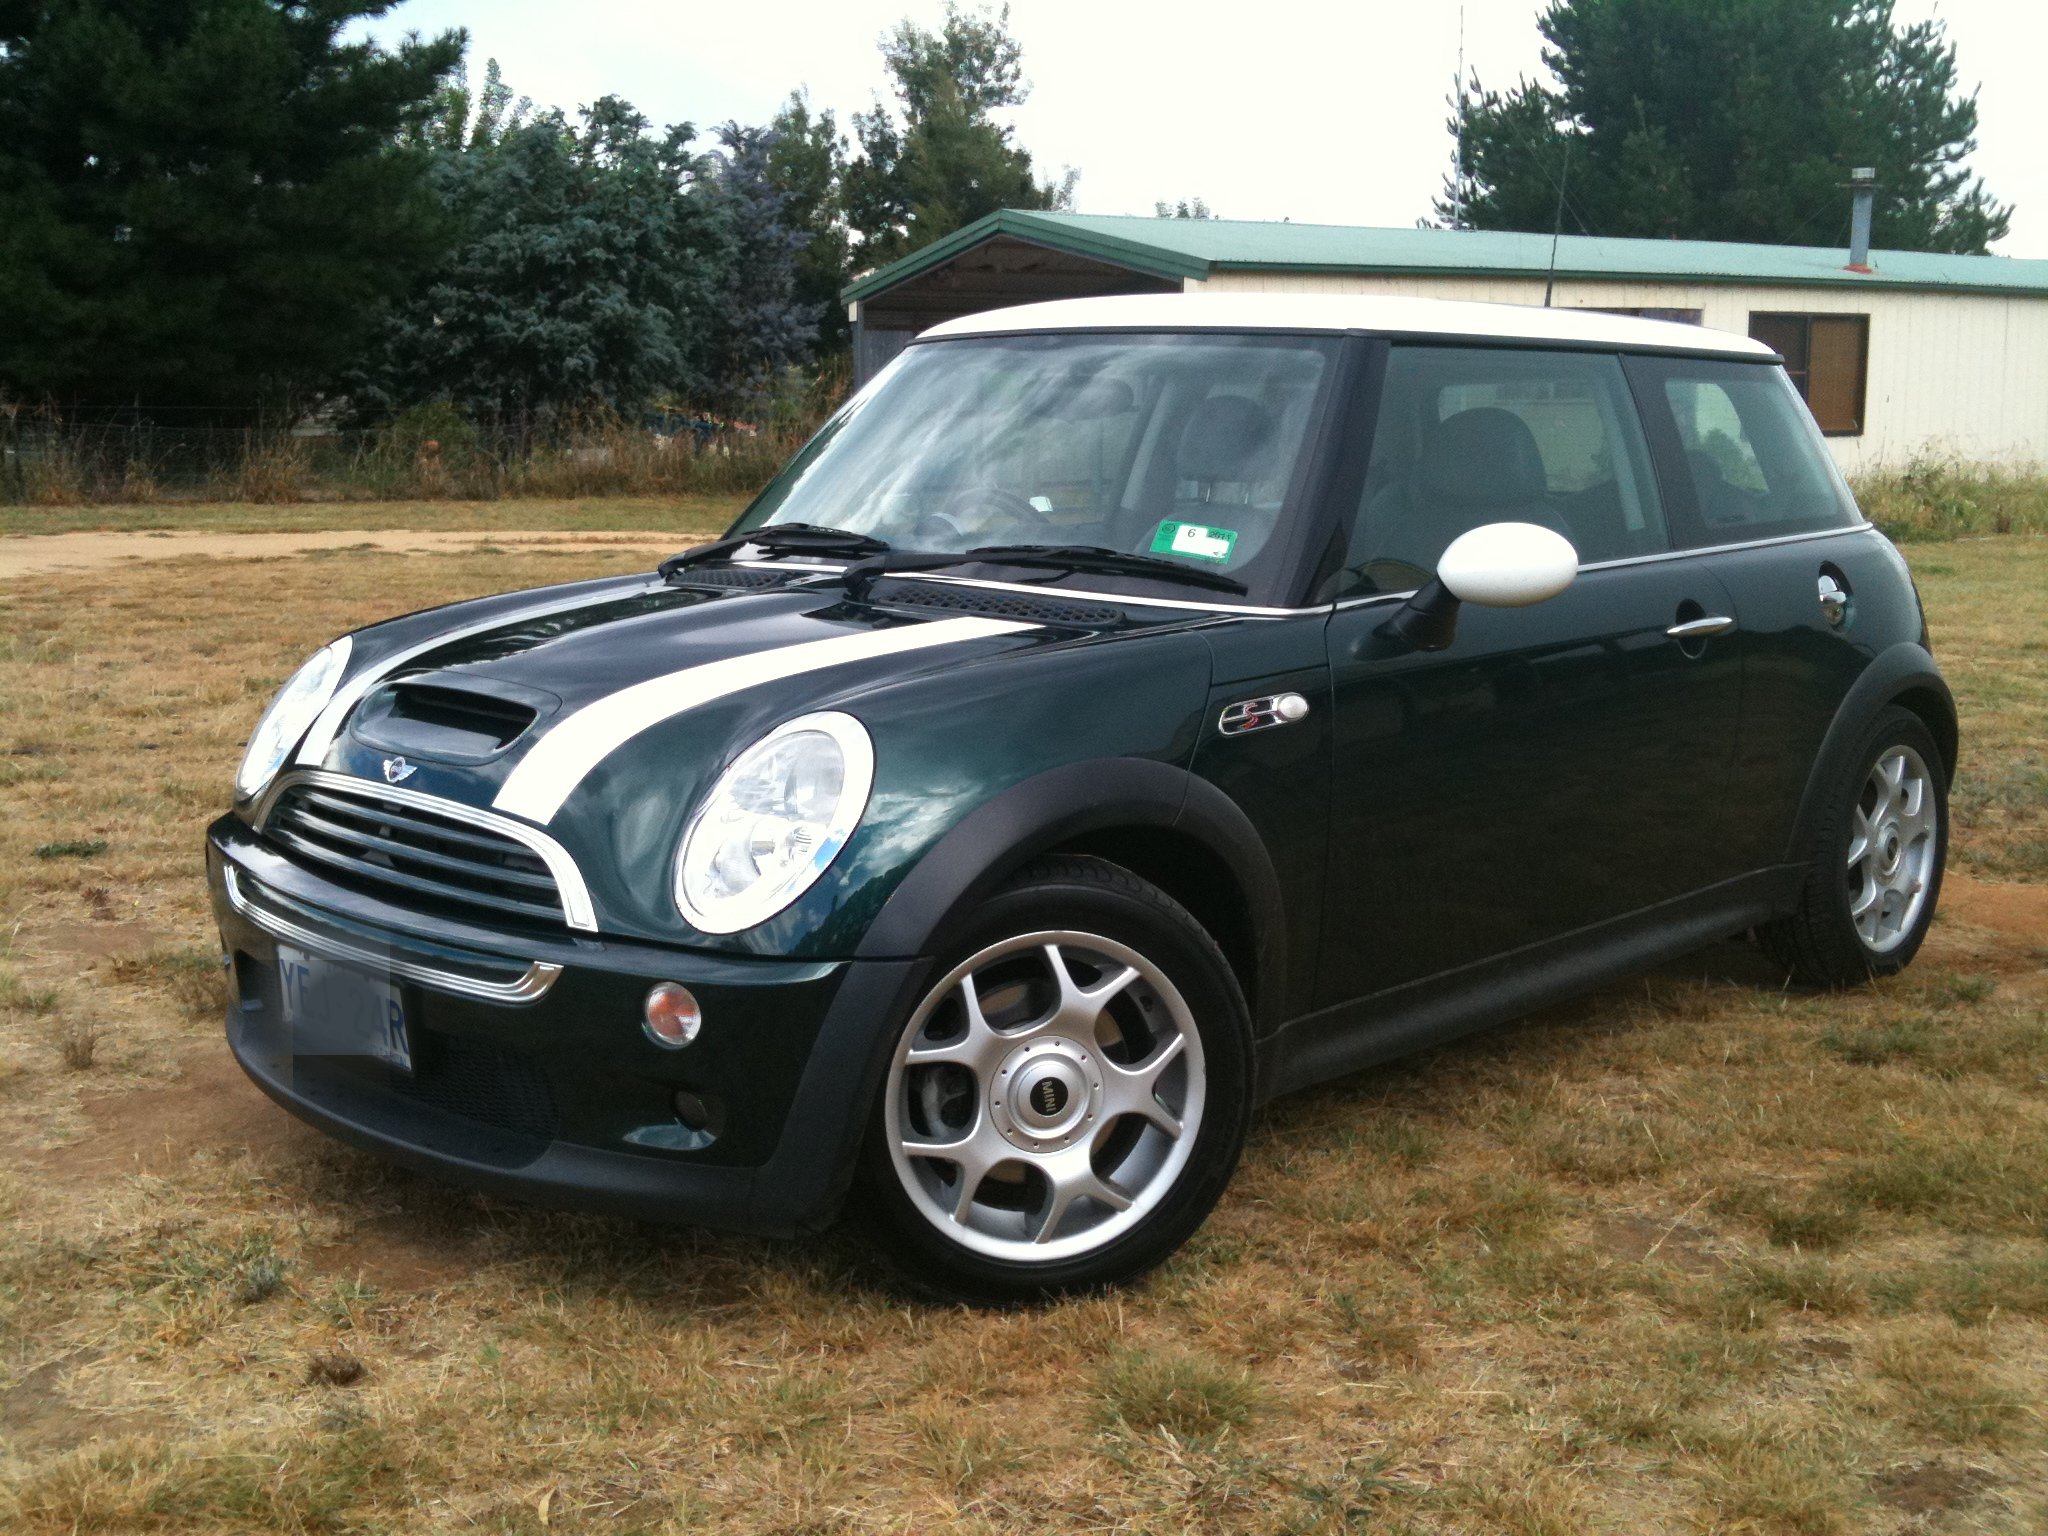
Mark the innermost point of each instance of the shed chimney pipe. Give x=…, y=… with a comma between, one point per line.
x=1863, y=186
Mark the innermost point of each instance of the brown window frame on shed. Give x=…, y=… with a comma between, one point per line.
x=1843, y=354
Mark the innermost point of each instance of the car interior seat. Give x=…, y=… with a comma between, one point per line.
x=1478, y=466
x=1225, y=469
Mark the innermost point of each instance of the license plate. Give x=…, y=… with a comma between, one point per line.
x=334, y=1011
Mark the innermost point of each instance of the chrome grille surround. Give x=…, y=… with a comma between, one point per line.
x=428, y=846
x=512, y=985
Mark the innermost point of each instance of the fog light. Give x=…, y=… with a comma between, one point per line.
x=671, y=1016
x=701, y=1117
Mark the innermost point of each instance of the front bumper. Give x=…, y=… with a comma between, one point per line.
x=532, y=1077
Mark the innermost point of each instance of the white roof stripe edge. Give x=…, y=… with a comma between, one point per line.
x=1349, y=312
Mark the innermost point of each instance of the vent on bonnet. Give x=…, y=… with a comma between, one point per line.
x=499, y=721
x=1001, y=605
x=449, y=716
x=730, y=576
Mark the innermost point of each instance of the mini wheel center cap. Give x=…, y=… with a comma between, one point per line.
x=1046, y=1095
x=1891, y=849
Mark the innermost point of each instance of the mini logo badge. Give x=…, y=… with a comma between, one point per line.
x=397, y=770
x=1048, y=1096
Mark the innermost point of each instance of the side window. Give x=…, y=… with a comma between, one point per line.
x=1469, y=435
x=1756, y=463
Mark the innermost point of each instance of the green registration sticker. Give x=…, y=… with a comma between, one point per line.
x=1196, y=539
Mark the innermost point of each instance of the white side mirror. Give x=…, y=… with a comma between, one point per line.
x=1508, y=565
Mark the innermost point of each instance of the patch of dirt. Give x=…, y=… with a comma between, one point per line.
x=1930, y=1487
x=37, y=1415
x=2018, y=914
x=399, y=1253
x=94, y=941
x=1649, y=1239
x=211, y=1108
x=41, y=554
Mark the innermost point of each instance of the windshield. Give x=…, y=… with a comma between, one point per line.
x=1185, y=447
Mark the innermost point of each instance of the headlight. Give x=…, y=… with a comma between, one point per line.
x=297, y=703
x=774, y=822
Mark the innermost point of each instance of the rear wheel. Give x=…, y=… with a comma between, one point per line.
x=1876, y=862
x=1068, y=1099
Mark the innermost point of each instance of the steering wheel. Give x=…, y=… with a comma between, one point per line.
x=986, y=510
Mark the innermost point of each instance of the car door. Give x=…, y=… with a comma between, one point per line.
x=1757, y=491
x=1555, y=766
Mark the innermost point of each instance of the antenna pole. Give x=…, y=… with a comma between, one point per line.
x=1458, y=169
x=1557, y=226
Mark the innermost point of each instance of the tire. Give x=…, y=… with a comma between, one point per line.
x=1098, y=1117
x=1874, y=864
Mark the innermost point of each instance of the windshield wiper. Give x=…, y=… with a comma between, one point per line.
x=780, y=539
x=1097, y=557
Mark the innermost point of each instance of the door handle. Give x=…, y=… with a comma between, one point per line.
x=1699, y=629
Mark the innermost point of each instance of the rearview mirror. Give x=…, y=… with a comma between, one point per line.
x=1496, y=565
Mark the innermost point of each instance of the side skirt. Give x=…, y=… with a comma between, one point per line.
x=1352, y=1036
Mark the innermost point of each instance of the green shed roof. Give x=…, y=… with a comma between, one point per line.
x=1181, y=248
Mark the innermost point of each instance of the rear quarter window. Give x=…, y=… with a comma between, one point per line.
x=1748, y=451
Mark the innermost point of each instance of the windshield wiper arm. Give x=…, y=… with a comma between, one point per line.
x=780, y=539
x=1097, y=557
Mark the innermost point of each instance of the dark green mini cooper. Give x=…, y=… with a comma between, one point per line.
x=1121, y=712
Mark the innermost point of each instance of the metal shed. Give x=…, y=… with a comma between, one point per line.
x=1912, y=354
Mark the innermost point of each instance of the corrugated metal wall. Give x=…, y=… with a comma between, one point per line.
x=1950, y=375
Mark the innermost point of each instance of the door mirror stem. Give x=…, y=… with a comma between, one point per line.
x=1428, y=621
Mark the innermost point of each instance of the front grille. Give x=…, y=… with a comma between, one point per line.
x=403, y=852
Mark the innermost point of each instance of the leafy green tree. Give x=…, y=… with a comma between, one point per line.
x=806, y=161
x=205, y=203
x=1186, y=208
x=593, y=272
x=947, y=161
x=1729, y=120
x=761, y=328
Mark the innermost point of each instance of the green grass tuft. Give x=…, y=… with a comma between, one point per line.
x=1184, y=1394
x=73, y=848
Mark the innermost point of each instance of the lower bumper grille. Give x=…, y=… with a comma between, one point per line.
x=493, y=1087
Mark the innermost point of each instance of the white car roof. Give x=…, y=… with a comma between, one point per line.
x=1349, y=312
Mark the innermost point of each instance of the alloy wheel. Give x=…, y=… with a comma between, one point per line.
x=1892, y=849
x=1045, y=1096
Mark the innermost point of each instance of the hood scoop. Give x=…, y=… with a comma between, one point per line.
x=450, y=716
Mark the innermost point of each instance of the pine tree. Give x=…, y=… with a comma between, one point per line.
x=207, y=202
x=1731, y=120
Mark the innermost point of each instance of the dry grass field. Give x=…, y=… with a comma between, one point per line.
x=592, y=514
x=1695, y=1254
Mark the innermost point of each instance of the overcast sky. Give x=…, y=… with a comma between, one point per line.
x=1322, y=113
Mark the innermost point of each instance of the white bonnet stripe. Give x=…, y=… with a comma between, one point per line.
x=314, y=748
x=557, y=763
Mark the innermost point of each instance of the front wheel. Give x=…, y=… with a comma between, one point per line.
x=1067, y=1101
x=1875, y=863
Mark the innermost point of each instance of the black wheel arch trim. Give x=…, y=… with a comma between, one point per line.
x=1065, y=804
x=1903, y=674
